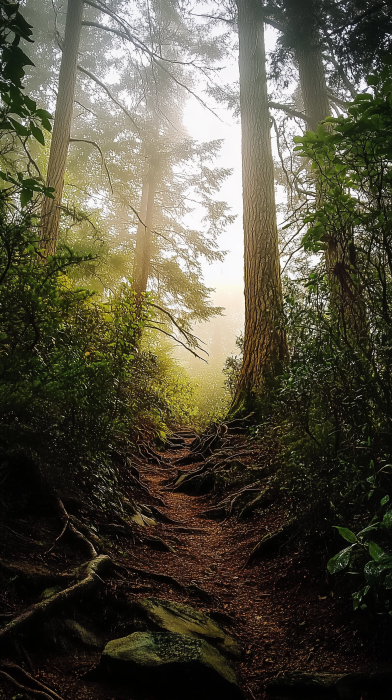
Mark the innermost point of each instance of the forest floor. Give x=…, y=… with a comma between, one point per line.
x=285, y=611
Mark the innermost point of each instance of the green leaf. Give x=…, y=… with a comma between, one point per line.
x=19, y=128
x=37, y=133
x=387, y=520
x=339, y=561
x=25, y=197
x=378, y=554
x=43, y=114
x=346, y=533
x=46, y=124
x=384, y=500
x=359, y=596
x=367, y=530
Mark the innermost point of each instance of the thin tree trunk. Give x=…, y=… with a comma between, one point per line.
x=265, y=346
x=142, y=261
x=61, y=127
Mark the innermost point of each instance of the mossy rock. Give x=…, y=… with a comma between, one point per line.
x=176, y=665
x=175, y=617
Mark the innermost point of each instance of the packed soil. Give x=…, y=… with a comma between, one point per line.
x=285, y=610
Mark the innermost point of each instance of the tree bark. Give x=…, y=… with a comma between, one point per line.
x=265, y=347
x=61, y=127
x=142, y=261
x=303, y=35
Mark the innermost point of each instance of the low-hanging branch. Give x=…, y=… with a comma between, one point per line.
x=349, y=85
x=338, y=100
x=289, y=110
x=110, y=94
x=187, y=336
x=93, y=143
x=177, y=340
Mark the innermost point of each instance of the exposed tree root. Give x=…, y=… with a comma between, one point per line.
x=46, y=607
x=10, y=666
x=189, y=459
x=33, y=575
x=192, y=588
x=159, y=543
x=226, y=506
x=86, y=544
x=163, y=517
x=164, y=578
x=27, y=691
x=272, y=542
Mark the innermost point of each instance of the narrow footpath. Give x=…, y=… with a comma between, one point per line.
x=284, y=610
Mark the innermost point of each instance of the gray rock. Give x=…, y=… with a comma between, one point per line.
x=176, y=617
x=331, y=686
x=180, y=666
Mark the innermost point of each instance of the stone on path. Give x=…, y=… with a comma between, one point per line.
x=176, y=665
x=175, y=617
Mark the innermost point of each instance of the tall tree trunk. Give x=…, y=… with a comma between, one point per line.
x=303, y=35
x=61, y=127
x=265, y=346
x=142, y=261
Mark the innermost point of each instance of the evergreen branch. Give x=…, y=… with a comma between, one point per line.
x=139, y=44
x=349, y=85
x=173, y=337
x=112, y=97
x=218, y=18
x=291, y=112
x=186, y=335
x=334, y=98
x=154, y=57
x=93, y=143
x=358, y=18
x=157, y=233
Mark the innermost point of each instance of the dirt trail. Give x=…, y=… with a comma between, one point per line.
x=284, y=610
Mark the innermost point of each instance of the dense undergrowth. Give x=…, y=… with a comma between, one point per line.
x=81, y=375
x=330, y=412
